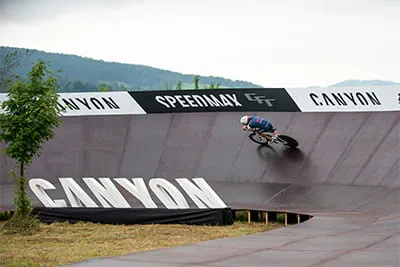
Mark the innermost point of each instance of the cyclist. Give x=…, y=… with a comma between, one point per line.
x=255, y=123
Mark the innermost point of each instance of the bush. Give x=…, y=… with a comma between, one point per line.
x=6, y=215
x=19, y=224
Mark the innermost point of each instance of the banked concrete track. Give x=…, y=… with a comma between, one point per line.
x=345, y=174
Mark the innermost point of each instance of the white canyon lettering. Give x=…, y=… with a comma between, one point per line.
x=108, y=195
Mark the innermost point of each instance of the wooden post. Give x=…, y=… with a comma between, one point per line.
x=248, y=216
x=285, y=219
x=266, y=217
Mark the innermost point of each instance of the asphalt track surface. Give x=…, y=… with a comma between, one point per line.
x=345, y=173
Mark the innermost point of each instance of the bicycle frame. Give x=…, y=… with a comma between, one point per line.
x=266, y=135
x=268, y=138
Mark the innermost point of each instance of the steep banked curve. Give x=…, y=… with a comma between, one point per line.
x=345, y=173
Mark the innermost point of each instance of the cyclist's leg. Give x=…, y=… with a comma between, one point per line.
x=266, y=133
x=270, y=129
x=275, y=132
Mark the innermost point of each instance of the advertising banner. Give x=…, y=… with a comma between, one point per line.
x=274, y=99
x=346, y=99
x=96, y=103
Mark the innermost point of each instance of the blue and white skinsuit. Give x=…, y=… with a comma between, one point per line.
x=260, y=124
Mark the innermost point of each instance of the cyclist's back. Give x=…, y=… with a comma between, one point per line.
x=260, y=123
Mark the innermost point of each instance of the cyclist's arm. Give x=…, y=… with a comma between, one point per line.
x=248, y=128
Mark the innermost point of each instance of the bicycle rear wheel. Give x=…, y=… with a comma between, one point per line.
x=288, y=141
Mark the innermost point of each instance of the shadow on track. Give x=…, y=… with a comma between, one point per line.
x=282, y=164
x=283, y=153
x=266, y=152
x=292, y=154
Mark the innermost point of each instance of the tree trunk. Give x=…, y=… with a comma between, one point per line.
x=21, y=179
x=21, y=169
x=22, y=201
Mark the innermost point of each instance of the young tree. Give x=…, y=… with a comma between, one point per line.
x=30, y=114
x=179, y=85
x=104, y=87
x=213, y=85
x=196, y=81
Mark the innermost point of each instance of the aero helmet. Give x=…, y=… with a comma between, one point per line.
x=244, y=119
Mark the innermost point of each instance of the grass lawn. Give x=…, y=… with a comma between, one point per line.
x=63, y=243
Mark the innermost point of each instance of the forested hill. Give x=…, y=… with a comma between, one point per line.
x=86, y=74
x=363, y=83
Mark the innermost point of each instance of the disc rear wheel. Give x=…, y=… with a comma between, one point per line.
x=288, y=141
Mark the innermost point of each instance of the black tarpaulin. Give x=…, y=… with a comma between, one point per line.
x=136, y=216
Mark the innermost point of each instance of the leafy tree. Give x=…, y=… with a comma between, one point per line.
x=123, y=87
x=104, y=88
x=179, y=85
x=213, y=85
x=196, y=81
x=78, y=85
x=30, y=114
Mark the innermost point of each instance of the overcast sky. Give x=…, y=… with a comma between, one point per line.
x=287, y=43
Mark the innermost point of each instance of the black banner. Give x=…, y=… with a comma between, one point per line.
x=212, y=100
x=136, y=216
